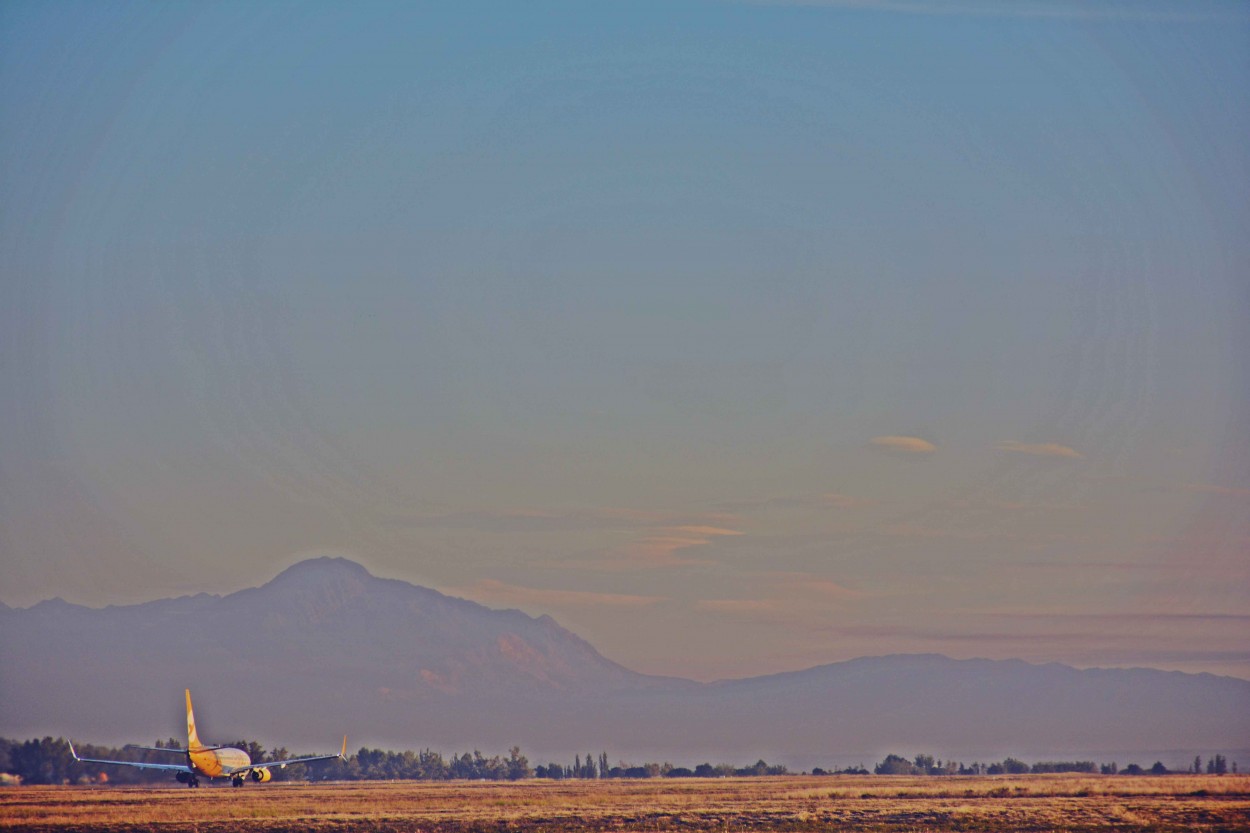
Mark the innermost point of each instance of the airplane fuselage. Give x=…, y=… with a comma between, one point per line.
x=214, y=763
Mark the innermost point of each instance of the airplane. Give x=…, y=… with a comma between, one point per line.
x=212, y=761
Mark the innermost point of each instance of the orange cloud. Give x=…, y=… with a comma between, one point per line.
x=841, y=501
x=909, y=530
x=656, y=551
x=707, y=530
x=653, y=552
x=1039, y=449
x=785, y=598
x=658, y=548
x=498, y=592
x=527, y=519
x=808, y=584
x=736, y=606
x=903, y=445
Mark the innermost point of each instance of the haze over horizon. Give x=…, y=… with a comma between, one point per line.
x=397, y=665
x=738, y=337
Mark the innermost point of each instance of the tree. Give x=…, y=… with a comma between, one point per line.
x=895, y=765
x=44, y=761
x=255, y=752
x=1014, y=767
x=1158, y=769
x=431, y=766
x=758, y=768
x=1065, y=766
x=518, y=765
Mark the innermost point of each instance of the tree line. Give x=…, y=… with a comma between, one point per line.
x=926, y=765
x=48, y=761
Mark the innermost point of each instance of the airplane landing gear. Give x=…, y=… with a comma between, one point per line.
x=237, y=781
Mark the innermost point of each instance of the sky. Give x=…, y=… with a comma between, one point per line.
x=738, y=337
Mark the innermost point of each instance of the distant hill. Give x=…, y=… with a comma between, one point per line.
x=326, y=648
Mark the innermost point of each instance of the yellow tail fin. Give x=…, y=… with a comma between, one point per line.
x=193, y=738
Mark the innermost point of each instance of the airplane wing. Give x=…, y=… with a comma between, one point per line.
x=342, y=755
x=140, y=765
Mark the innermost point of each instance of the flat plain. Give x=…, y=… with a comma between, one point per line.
x=789, y=803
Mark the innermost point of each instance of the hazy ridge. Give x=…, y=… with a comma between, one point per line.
x=325, y=647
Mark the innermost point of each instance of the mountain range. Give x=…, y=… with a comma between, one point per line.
x=326, y=648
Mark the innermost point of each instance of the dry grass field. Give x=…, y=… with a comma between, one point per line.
x=845, y=803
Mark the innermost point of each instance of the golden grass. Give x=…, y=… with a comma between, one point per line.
x=1074, y=785
x=1033, y=803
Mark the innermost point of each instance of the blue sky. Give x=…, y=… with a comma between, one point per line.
x=739, y=337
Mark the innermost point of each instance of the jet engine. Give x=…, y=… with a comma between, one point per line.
x=262, y=774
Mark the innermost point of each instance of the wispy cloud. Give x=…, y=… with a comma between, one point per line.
x=783, y=598
x=526, y=519
x=655, y=538
x=652, y=548
x=761, y=504
x=914, y=633
x=990, y=505
x=1211, y=489
x=1134, y=618
x=707, y=531
x=737, y=606
x=660, y=548
x=798, y=584
x=1038, y=449
x=490, y=591
x=1140, y=10
x=656, y=551
x=910, y=530
x=895, y=444
x=837, y=500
